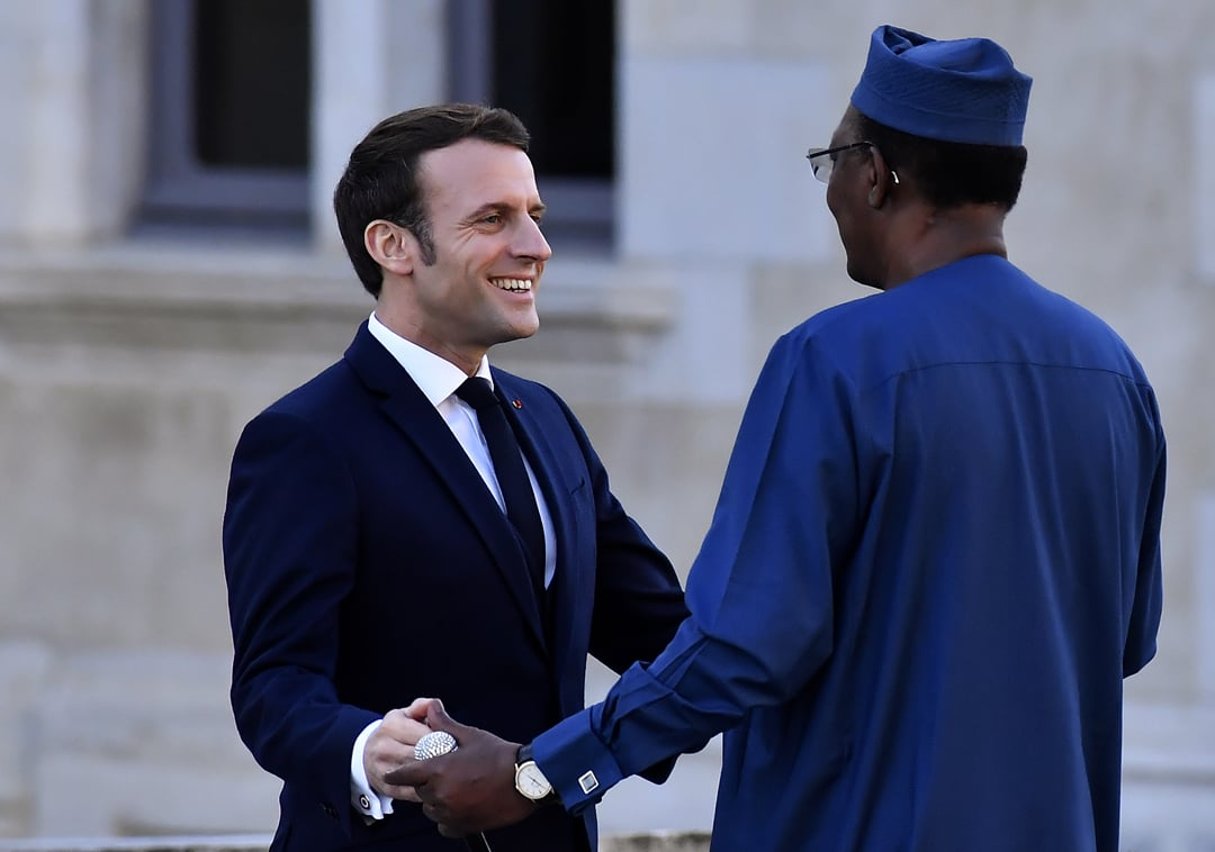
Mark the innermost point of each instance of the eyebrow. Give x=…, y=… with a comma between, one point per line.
x=502, y=207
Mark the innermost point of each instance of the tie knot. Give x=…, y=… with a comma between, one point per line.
x=477, y=393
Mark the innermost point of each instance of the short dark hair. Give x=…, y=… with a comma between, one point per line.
x=381, y=179
x=949, y=174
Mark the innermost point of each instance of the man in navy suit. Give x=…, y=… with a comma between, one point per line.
x=374, y=544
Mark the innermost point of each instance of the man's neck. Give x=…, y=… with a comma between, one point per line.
x=399, y=323
x=940, y=237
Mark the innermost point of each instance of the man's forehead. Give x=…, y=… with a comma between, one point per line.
x=478, y=171
x=474, y=156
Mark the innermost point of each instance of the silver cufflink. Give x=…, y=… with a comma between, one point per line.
x=588, y=782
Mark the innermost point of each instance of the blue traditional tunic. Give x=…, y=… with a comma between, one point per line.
x=934, y=559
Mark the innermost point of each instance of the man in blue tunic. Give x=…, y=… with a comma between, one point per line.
x=936, y=552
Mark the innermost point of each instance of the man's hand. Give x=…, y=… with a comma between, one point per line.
x=471, y=789
x=390, y=745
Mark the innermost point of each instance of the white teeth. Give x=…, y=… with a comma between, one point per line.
x=517, y=285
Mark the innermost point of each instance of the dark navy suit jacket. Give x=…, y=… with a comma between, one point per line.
x=368, y=564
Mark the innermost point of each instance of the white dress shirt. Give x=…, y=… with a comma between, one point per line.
x=438, y=380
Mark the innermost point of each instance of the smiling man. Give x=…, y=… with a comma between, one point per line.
x=413, y=522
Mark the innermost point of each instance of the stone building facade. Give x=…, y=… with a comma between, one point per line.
x=136, y=338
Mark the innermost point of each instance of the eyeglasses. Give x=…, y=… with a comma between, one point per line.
x=822, y=160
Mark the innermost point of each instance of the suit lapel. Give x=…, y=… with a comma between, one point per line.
x=409, y=409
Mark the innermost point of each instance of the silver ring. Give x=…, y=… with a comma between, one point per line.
x=434, y=744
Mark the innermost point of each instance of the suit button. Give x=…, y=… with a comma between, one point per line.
x=364, y=802
x=330, y=810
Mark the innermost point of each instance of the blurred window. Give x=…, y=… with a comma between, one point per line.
x=552, y=63
x=231, y=113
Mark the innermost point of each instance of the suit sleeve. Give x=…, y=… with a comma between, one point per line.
x=760, y=591
x=1146, y=602
x=289, y=556
x=639, y=603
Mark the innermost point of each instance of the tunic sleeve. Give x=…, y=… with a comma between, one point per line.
x=759, y=592
x=1147, y=601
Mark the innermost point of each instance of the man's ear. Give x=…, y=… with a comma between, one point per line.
x=391, y=246
x=881, y=180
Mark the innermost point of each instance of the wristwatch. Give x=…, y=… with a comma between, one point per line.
x=529, y=780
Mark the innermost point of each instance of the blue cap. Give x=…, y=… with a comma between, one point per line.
x=964, y=90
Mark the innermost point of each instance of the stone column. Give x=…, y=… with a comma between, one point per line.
x=67, y=68
x=371, y=61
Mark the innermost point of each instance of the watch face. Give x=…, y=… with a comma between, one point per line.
x=531, y=782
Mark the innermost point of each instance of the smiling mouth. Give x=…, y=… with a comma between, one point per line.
x=513, y=285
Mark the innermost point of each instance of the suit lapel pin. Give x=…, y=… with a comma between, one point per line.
x=517, y=403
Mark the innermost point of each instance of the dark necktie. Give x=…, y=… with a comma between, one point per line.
x=512, y=475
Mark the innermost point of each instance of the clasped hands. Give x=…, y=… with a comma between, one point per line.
x=469, y=790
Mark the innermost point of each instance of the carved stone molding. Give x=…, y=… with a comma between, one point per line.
x=242, y=300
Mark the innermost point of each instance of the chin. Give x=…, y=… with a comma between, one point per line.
x=864, y=277
x=859, y=275
x=519, y=332
x=528, y=327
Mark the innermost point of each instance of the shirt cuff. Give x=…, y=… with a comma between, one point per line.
x=576, y=761
x=364, y=799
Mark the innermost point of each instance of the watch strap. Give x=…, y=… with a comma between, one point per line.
x=523, y=755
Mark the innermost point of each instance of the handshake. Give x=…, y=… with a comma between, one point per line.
x=466, y=779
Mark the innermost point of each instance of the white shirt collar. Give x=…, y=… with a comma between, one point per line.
x=435, y=376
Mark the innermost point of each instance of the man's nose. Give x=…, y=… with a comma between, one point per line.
x=530, y=241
